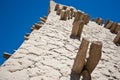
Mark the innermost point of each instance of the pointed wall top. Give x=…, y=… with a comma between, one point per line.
x=52, y=5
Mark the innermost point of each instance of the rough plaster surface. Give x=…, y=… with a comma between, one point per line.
x=49, y=53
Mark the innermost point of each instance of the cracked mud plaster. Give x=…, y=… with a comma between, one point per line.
x=49, y=53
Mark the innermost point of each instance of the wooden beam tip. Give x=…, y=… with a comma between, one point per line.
x=97, y=42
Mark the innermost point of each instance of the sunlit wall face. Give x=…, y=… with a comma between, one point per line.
x=17, y=16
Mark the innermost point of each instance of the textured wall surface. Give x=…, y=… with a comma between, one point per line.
x=49, y=53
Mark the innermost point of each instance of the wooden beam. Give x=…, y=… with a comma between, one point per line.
x=117, y=28
x=77, y=29
x=99, y=21
x=113, y=27
x=117, y=39
x=57, y=7
x=6, y=55
x=86, y=18
x=27, y=34
x=80, y=30
x=26, y=37
x=63, y=15
x=79, y=61
x=108, y=26
x=43, y=19
x=58, y=11
x=78, y=16
x=68, y=14
x=64, y=7
x=72, y=13
x=86, y=75
x=106, y=22
x=94, y=56
x=38, y=26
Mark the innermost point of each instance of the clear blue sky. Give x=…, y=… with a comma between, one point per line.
x=18, y=16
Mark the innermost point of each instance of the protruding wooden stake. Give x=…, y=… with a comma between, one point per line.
x=42, y=19
x=72, y=13
x=117, y=28
x=99, y=21
x=38, y=26
x=26, y=38
x=27, y=34
x=81, y=17
x=77, y=30
x=63, y=15
x=94, y=56
x=96, y=20
x=45, y=17
x=79, y=61
x=80, y=58
x=108, y=26
x=6, y=55
x=32, y=28
x=41, y=22
x=74, y=76
x=86, y=18
x=64, y=8
x=68, y=14
x=117, y=39
x=113, y=27
x=106, y=22
x=77, y=17
x=58, y=11
x=57, y=7
x=86, y=75
x=81, y=25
